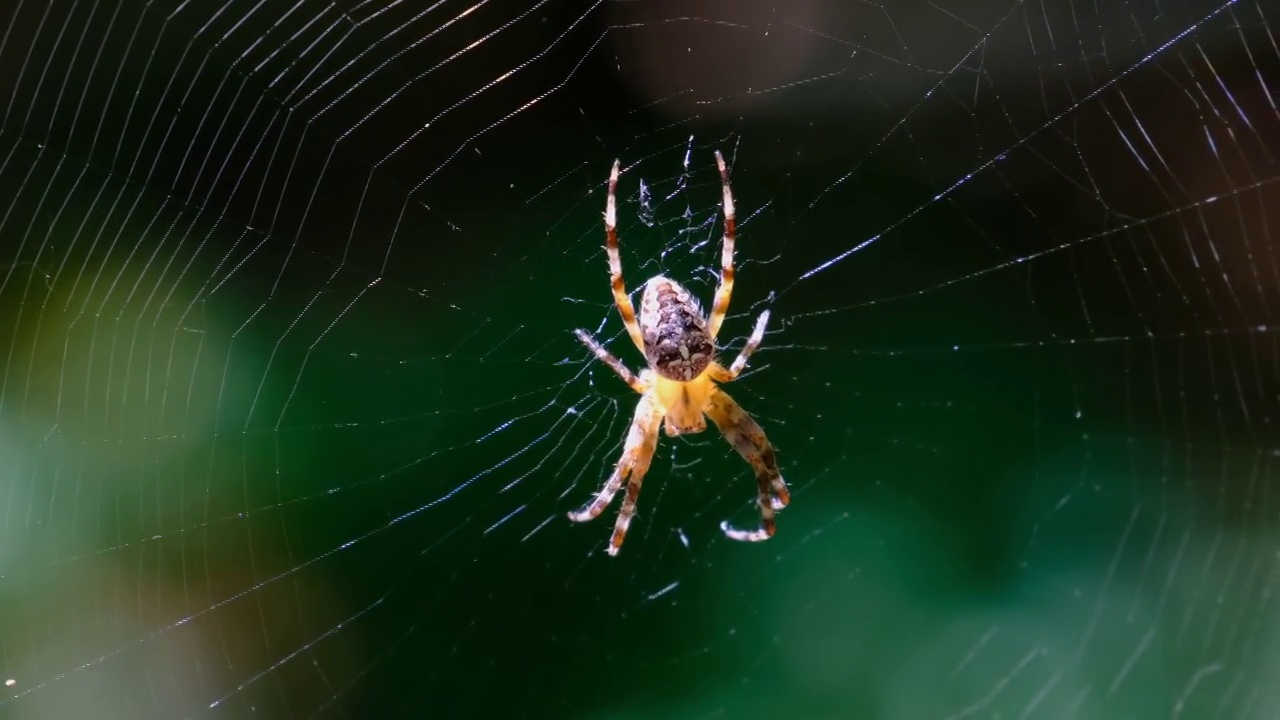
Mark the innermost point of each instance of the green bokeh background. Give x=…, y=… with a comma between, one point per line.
x=290, y=421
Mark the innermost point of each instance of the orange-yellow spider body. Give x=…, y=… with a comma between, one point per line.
x=679, y=388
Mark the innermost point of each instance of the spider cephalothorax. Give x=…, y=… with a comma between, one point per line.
x=679, y=387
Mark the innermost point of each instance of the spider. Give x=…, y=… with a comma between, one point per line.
x=679, y=386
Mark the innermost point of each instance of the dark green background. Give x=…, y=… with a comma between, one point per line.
x=290, y=411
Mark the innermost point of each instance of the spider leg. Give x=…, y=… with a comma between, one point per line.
x=637, y=452
x=638, y=470
x=746, y=436
x=720, y=306
x=721, y=374
x=620, y=297
x=613, y=362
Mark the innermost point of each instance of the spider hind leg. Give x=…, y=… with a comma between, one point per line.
x=620, y=297
x=720, y=306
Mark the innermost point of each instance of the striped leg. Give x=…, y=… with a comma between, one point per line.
x=722, y=375
x=639, y=467
x=746, y=436
x=720, y=306
x=620, y=297
x=637, y=451
x=614, y=363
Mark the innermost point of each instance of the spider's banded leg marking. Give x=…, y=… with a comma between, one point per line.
x=642, y=440
x=620, y=297
x=746, y=436
x=721, y=304
x=722, y=375
x=640, y=466
x=634, y=443
x=614, y=363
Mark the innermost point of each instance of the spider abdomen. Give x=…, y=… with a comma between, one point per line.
x=677, y=344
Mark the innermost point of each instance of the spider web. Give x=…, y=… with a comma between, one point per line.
x=291, y=413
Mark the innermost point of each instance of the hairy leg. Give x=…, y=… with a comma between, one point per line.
x=720, y=306
x=620, y=297
x=747, y=437
x=721, y=374
x=613, y=362
x=637, y=451
x=638, y=470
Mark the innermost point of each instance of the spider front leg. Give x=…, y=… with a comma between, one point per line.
x=747, y=437
x=613, y=362
x=637, y=452
x=721, y=374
